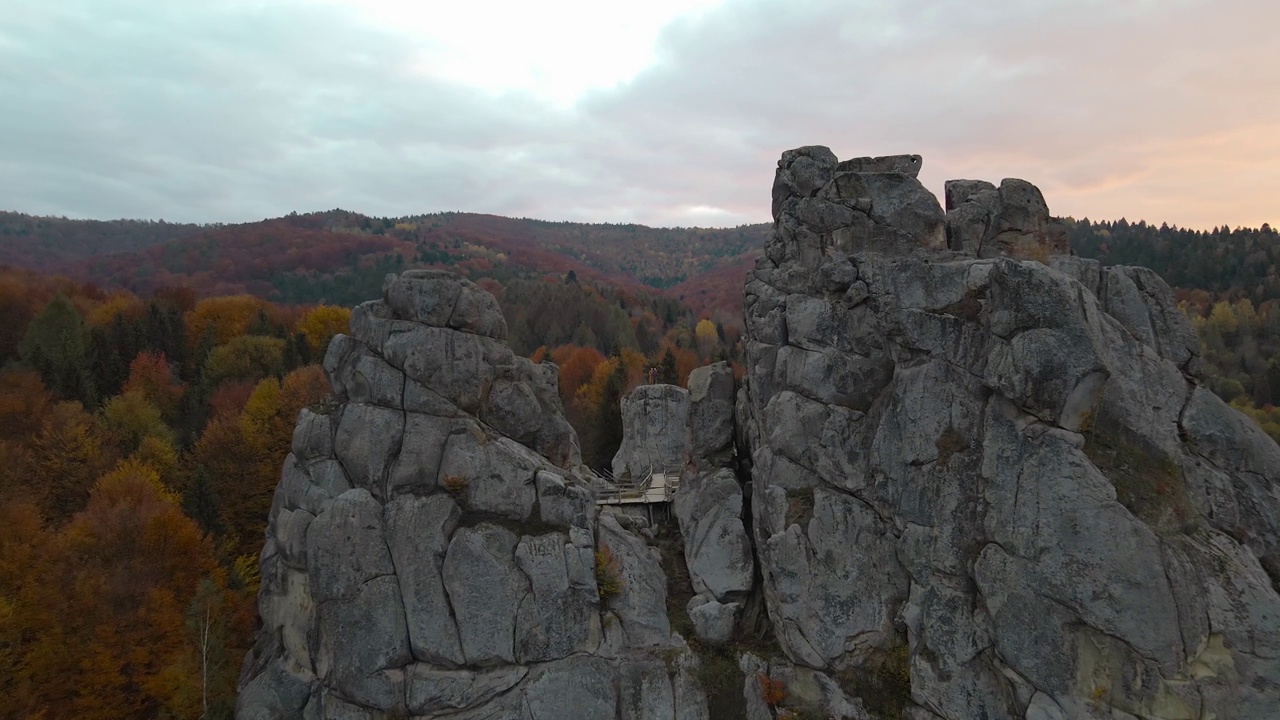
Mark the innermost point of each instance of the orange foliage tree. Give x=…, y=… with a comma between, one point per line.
x=101, y=628
x=241, y=455
x=151, y=376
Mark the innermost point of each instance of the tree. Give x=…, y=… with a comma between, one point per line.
x=606, y=433
x=231, y=465
x=223, y=317
x=319, y=324
x=132, y=418
x=151, y=376
x=248, y=357
x=208, y=628
x=707, y=337
x=103, y=633
x=69, y=452
x=667, y=372
x=55, y=346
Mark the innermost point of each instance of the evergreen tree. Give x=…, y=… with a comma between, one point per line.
x=199, y=503
x=55, y=346
x=667, y=372
x=260, y=325
x=107, y=369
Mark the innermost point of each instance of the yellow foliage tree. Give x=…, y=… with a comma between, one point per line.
x=247, y=357
x=126, y=305
x=221, y=318
x=705, y=332
x=1223, y=318
x=159, y=454
x=319, y=324
x=131, y=418
x=590, y=393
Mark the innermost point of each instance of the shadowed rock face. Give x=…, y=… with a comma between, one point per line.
x=431, y=550
x=974, y=451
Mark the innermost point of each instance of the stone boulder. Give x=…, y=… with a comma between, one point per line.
x=1012, y=219
x=711, y=406
x=655, y=434
x=717, y=549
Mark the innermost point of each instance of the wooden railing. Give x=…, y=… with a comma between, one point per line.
x=656, y=487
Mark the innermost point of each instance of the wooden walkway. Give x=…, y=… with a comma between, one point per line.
x=657, y=487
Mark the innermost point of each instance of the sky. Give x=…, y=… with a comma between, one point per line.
x=662, y=112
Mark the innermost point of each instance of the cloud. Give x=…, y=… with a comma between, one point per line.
x=234, y=109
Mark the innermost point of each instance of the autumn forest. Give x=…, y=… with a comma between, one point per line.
x=151, y=375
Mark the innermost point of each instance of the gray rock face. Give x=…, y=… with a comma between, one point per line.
x=716, y=547
x=981, y=471
x=711, y=404
x=713, y=621
x=865, y=204
x=655, y=434
x=996, y=463
x=431, y=547
x=901, y=164
x=1010, y=220
x=642, y=606
x=695, y=432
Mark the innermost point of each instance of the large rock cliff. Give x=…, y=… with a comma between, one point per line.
x=987, y=469
x=966, y=475
x=432, y=552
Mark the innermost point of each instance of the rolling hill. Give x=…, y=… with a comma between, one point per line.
x=341, y=257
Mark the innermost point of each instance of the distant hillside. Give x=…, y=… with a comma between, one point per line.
x=48, y=243
x=341, y=257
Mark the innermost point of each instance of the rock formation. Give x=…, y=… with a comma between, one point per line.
x=988, y=468
x=966, y=475
x=655, y=437
x=431, y=550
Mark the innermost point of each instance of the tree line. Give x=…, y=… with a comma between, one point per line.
x=140, y=443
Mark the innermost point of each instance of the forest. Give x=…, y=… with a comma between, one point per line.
x=340, y=257
x=141, y=439
x=144, y=416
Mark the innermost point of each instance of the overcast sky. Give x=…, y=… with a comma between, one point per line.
x=664, y=112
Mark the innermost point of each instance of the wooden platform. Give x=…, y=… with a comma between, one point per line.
x=658, y=487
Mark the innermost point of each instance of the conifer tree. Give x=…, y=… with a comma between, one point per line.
x=667, y=372
x=55, y=346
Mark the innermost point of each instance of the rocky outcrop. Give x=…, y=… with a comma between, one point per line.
x=432, y=551
x=1011, y=220
x=655, y=433
x=967, y=474
x=987, y=469
x=691, y=432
